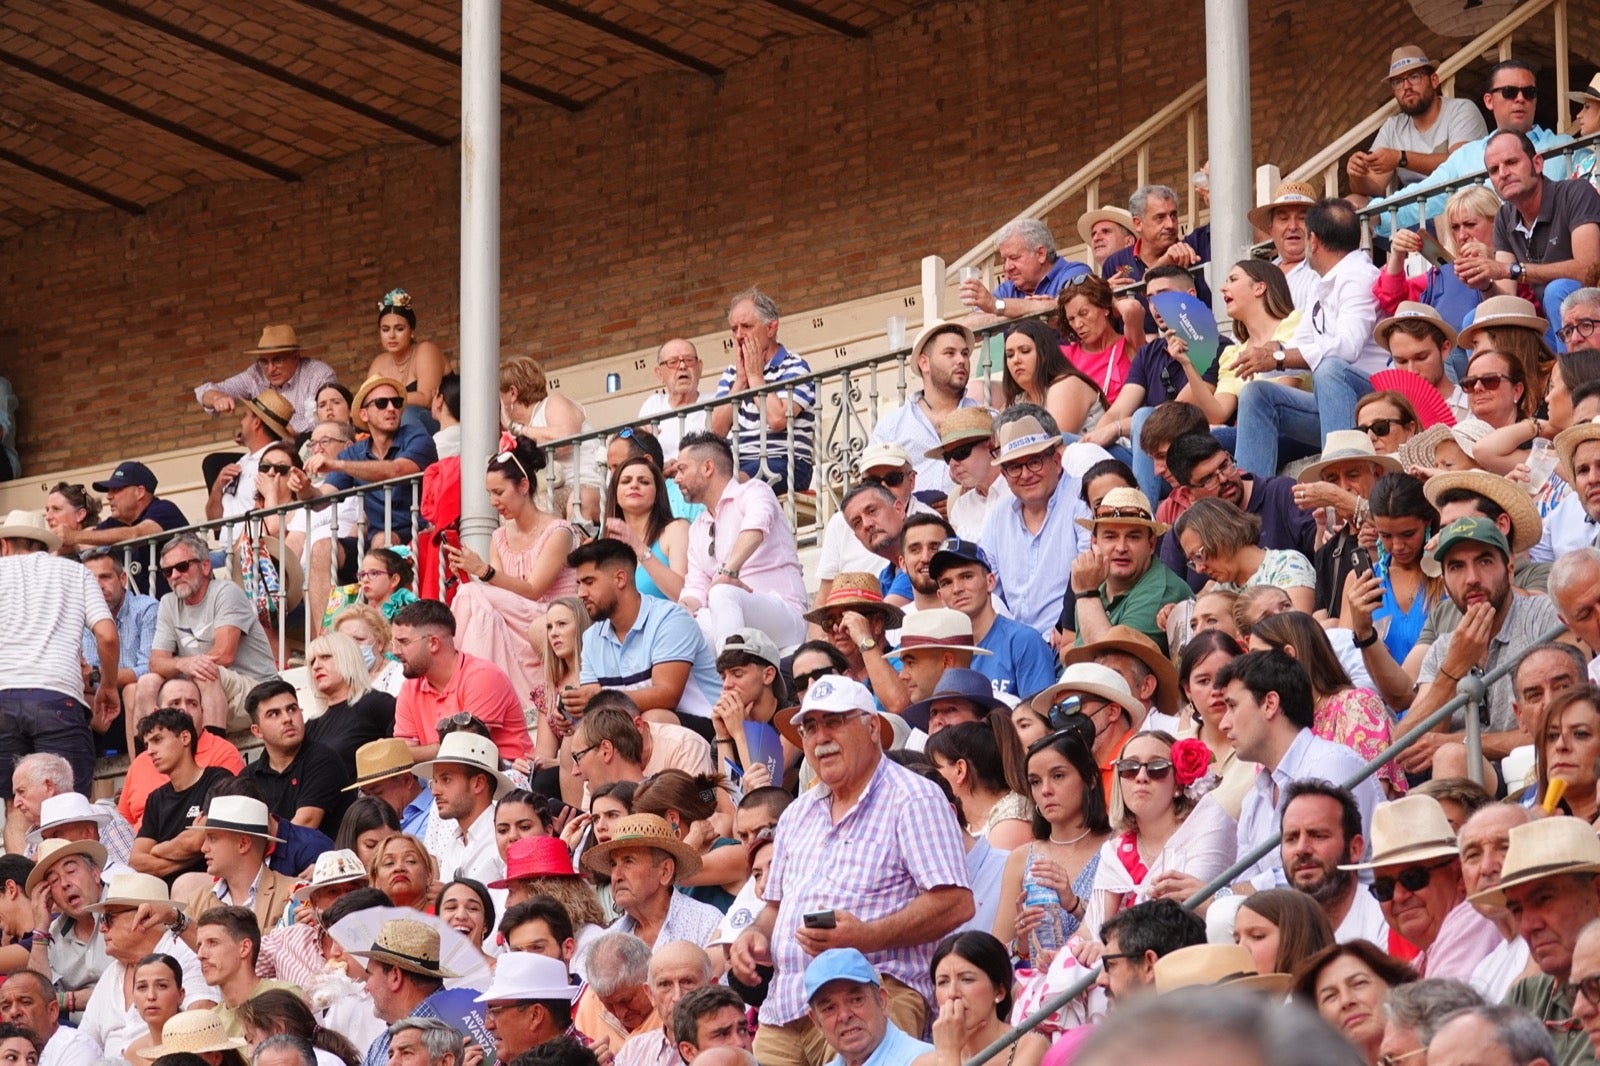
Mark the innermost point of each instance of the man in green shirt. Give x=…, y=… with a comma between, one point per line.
x=1119, y=580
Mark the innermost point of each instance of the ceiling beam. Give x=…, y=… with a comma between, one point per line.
x=121, y=106
x=267, y=70
x=633, y=37
x=821, y=18
x=426, y=47
x=69, y=182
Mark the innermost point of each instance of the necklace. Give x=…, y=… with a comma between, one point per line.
x=1074, y=840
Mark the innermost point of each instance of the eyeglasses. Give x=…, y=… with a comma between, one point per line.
x=281, y=359
x=181, y=567
x=803, y=681
x=1582, y=328
x=1589, y=986
x=276, y=469
x=894, y=479
x=1216, y=477
x=1395, y=1060
x=1381, y=427
x=384, y=403
x=578, y=755
x=1032, y=464
x=1196, y=559
x=323, y=442
x=1511, y=92
x=362, y=575
x=1485, y=382
x=1412, y=879
x=963, y=453
x=494, y=1010
x=1413, y=75
x=826, y=723
x=1154, y=769
x=679, y=361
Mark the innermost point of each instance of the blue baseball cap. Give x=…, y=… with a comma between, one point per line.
x=839, y=964
x=127, y=474
x=954, y=552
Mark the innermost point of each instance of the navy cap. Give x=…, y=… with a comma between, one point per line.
x=954, y=552
x=127, y=474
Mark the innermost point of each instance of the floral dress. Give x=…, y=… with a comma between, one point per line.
x=1358, y=719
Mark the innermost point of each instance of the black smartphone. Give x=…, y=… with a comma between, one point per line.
x=1360, y=562
x=819, y=920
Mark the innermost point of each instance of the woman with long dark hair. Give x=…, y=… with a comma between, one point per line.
x=1037, y=371
x=639, y=514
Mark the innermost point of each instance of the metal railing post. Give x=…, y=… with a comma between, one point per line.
x=1476, y=694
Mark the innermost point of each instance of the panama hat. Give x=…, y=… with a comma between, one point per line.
x=240, y=814
x=134, y=890
x=962, y=426
x=1549, y=847
x=1087, y=220
x=643, y=831
x=1287, y=194
x=1228, y=965
x=67, y=808
x=833, y=694
x=1094, y=680
x=1344, y=446
x=276, y=338
x=468, y=749
x=411, y=945
x=53, y=851
x=1130, y=641
x=193, y=1032
x=1589, y=94
x=376, y=381
x=1406, y=58
x=1124, y=507
x=856, y=590
x=934, y=329
x=1502, y=311
x=525, y=976
x=938, y=627
x=1567, y=443
x=1526, y=526
x=1024, y=437
x=277, y=412
x=378, y=760
x=31, y=526
x=532, y=857
x=1408, y=830
x=333, y=868
x=1411, y=311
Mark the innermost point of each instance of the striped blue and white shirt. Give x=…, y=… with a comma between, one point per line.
x=750, y=416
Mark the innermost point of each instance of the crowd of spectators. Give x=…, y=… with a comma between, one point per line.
x=1085, y=641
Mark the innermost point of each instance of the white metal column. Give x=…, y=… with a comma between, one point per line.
x=1228, y=136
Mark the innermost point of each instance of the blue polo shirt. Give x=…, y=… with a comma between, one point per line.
x=1020, y=662
x=1054, y=280
x=412, y=442
x=663, y=633
x=896, y=1049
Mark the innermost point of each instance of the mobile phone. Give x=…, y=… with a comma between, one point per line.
x=1360, y=562
x=735, y=771
x=1433, y=251
x=819, y=920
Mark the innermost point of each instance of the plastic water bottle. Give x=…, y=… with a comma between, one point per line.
x=1047, y=935
x=1541, y=464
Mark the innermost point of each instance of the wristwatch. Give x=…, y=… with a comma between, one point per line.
x=1405, y=160
x=999, y=307
x=1279, y=354
x=869, y=644
x=1517, y=271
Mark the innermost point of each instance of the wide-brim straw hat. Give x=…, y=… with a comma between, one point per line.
x=1549, y=847
x=1408, y=830
x=31, y=525
x=1567, y=444
x=1348, y=446
x=240, y=814
x=1124, y=499
x=940, y=628
x=411, y=945
x=1022, y=438
x=1510, y=497
x=643, y=831
x=1589, y=94
x=1499, y=311
x=332, y=868
x=859, y=591
x=274, y=411
x=961, y=426
x=1087, y=220
x=374, y=382
x=468, y=749
x=194, y=1032
x=1412, y=311
x=379, y=760
x=1287, y=194
x=1092, y=679
x=934, y=329
x=67, y=808
x=1131, y=641
x=276, y=338
x=1215, y=965
x=135, y=890
x=53, y=851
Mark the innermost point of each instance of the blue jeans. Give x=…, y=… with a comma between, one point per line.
x=36, y=719
x=1278, y=424
x=775, y=471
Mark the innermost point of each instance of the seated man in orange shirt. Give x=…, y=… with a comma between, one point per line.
x=441, y=681
x=143, y=778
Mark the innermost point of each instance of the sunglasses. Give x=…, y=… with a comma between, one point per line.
x=803, y=681
x=180, y=567
x=1381, y=427
x=276, y=469
x=1122, y=512
x=963, y=453
x=1511, y=92
x=384, y=403
x=1583, y=327
x=511, y=457
x=1412, y=879
x=1486, y=382
x=894, y=479
x=1032, y=464
x=451, y=723
x=1154, y=769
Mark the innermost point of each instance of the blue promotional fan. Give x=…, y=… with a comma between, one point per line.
x=1192, y=320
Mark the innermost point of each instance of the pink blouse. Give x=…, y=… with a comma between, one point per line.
x=1107, y=368
x=1358, y=719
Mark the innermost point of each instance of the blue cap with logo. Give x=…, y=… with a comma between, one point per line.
x=839, y=964
x=954, y=552
x=125, y=475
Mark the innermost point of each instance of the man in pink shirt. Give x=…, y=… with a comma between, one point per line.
x=441, y=681
x=744, y=569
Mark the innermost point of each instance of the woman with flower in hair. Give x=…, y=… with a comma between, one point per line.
x=417, y=364
x=1162, y=818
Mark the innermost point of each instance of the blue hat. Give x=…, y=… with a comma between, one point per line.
x=839, y=964
x=955, y=683
x=954, y=552
x=128, y=474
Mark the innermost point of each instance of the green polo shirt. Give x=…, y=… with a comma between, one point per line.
x=1539, y=996
x=1137, y=608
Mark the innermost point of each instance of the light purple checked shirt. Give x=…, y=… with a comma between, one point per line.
x=899, y=841
x=300, y=390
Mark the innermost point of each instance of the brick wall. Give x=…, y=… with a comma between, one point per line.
x=823, y=171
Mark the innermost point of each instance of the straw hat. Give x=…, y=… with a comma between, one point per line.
x=1094, y=680
x=378, y=760
x=1567, y=444
x=277, y=412
x=961, y=426
x=194, y=1032
x=938, y=627
x=1343, y=446
x=1406, y=58
x=523, y=976
x=33, y=527
x=376, y=381
x=1024, y=437
x=1502, y=311
x=240, y=814
x=468, y=749
x=1287, y=194
x=1087, y=220
x=1526, y=527
x=934, y=329
x=133, y=890
x=1408, y=830
x=67, y=808
x=1131, y=641
x=411, y=945
x=333, y=868
x=276, y=338
x=53, y=851
x=1547, y=848
x=643, y=831
x=856, y=590
x=1589, y=94
x=536, y=857
x=1228, y=965
x=1468, y=432
x=1115, y=508
x=1411, y=311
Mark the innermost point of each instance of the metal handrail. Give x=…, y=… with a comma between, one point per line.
x=1461, y=701
x=1425, y=192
